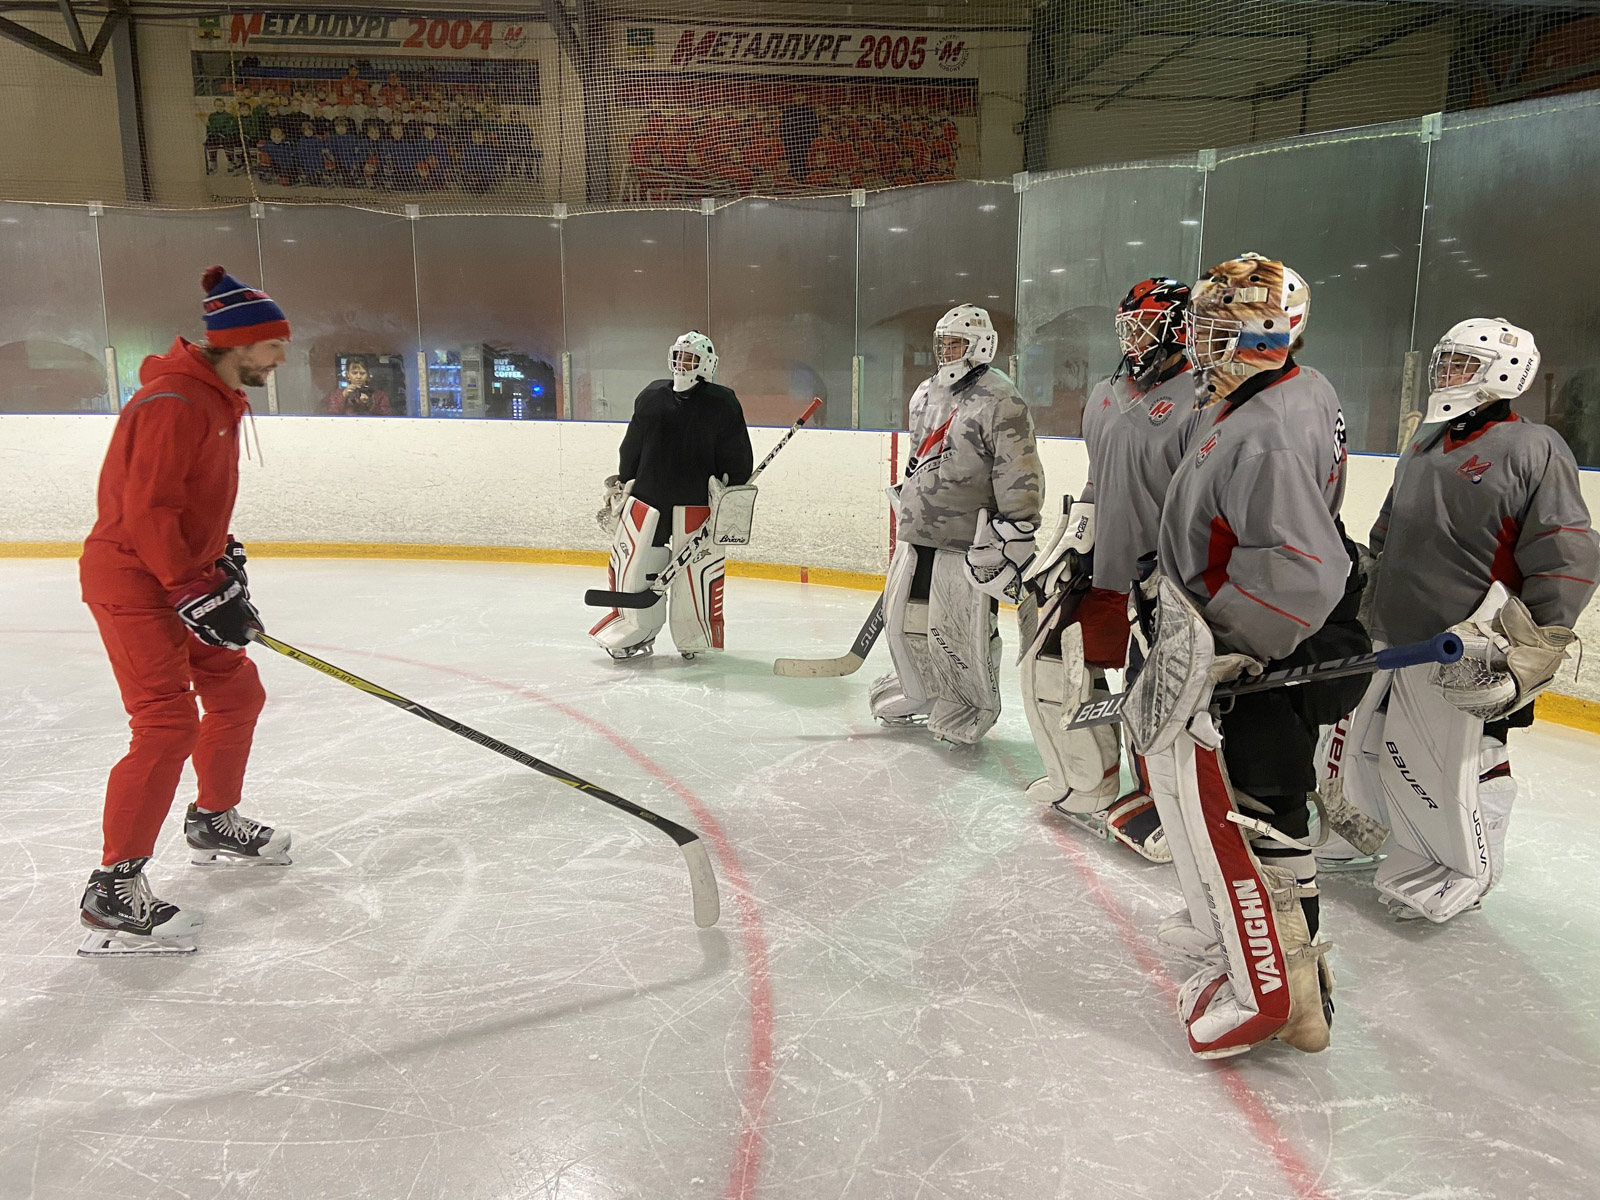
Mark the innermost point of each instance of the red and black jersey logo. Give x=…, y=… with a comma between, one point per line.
x=1474, y=469
x=1206, y=448
x=1161, y=410
x=935, y=448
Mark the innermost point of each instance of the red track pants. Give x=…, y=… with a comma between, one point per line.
x=160, y=667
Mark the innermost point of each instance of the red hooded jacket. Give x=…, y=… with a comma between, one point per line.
x=167, y=486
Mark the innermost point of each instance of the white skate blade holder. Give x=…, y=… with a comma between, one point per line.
x=112, y=943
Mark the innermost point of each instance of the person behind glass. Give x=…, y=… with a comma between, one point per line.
x=686, y=443
x=357, y=397
x=165, y=583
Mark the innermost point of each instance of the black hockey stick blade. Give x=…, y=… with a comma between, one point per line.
x=702, y=880
x=599, y=598
x=1441, y=648
x=847, y=664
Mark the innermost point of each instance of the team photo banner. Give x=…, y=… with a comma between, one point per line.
x=438, y=35
x=813, y=50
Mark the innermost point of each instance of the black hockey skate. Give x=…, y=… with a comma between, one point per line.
x=124, y=917
x=228, y=834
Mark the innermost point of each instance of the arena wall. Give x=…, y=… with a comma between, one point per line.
x=529, y=490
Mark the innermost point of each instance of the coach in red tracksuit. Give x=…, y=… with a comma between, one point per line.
x=166, y=585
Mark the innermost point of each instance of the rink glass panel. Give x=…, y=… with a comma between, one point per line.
x=52, y=322
x=783, y=306
x=1343, y=210
x=489, y=290
x=1087, y=237
x=923, y=251
x=635, y=281
x=346, y=282
x=1513, y=200
x=152, y=263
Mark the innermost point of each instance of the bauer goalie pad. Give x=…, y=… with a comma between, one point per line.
x=694, y=604
x=1508, y=659
x=1263, y=978
x=905, y=692
x=733, y=510
x=1348, y=779
x=1442, y=861
x=635, y=564
x=963, y=647
x=1082, y=767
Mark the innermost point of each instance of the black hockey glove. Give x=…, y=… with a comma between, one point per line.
x=232, y=562
x=219, y=614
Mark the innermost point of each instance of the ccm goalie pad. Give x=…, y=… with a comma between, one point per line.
x=944, y=639
x=1262, y=976
x=695, y=594
x=635, y=564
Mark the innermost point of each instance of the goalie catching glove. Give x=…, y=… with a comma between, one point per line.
x=612, y=504
x=1001, y=552
x=1508, y=661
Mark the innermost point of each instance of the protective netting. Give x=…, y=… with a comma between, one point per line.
x=597, y=105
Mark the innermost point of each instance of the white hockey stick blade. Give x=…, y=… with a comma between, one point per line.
x=703, y=883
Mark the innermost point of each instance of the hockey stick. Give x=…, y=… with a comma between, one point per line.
x=702, y=881
x=847, y=664
x=1441, y=648
x=599, y=598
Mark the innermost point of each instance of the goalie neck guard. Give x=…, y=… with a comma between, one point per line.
x=1245, y=316
x=1476, y=363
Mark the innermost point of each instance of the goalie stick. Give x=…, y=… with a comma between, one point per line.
x=702, y=881
x=599, y=598
x=1441, y=648
x=846, y=664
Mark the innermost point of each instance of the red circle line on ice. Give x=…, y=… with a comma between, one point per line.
x=751, y=1141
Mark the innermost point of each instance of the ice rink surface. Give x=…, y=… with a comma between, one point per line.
x=476, y=983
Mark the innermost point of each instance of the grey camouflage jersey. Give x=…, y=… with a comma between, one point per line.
x=1135, y=443
x=1248, y=529
x=974, y=449
x=1502, y=503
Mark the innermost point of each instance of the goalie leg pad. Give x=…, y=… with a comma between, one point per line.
x=695, y=595
x=635, y=564
x=1266, y=979
x=1429, y=766
x=1081, y=766
x=904, y=694
x=963, y=647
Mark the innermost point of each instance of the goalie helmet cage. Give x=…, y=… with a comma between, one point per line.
x=565, y=106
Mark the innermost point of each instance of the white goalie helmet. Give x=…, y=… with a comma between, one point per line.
x=972, y=326
x=1477, y=362
x=692, y=359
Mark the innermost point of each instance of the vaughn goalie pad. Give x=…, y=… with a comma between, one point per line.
x=733, y=510
x=1082, y=767
x=1442, y=861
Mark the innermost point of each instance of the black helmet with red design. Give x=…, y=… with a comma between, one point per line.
x=1150, y=327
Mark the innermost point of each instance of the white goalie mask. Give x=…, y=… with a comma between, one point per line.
x=692, y=359
x=963, y=339
x=1478, y=362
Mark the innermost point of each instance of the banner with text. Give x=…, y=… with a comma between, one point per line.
x=754, y=49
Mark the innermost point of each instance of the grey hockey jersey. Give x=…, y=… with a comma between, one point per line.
x=1247, y=528
x=1135, y=443
x=973, y=448
x=1500, y=503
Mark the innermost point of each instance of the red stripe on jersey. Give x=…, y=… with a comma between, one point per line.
x=1273, y=607
x=1218, y=552
x=1504, y=567
x=1301, y=553
x=934, y=440
x=1561, y=529
x=1553, y=575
